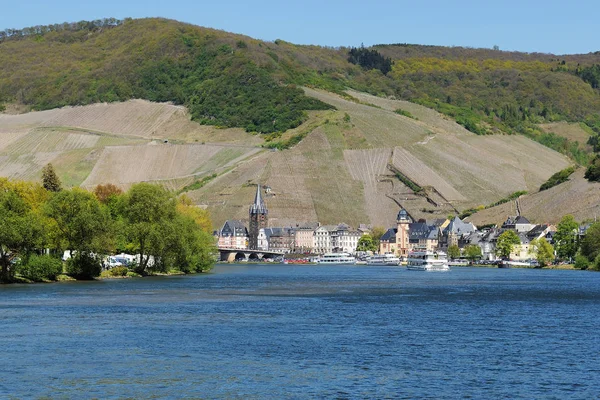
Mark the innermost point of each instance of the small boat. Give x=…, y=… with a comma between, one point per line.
x=512, y=264
x=383, y=259
x=361, y=262
x=336, y=258
x=427, y=261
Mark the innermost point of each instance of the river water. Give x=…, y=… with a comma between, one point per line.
x=275, y=331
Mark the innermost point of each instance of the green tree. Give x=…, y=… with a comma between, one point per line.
x=453, y=252
x=581, y=261
x=506, y=243
x=20, y=231
x=366, y=243
x=592, y=172
x=147, y=210
x=189, y=248
x=50, y=180
x=377, y=233
x=543, y=251
x=82, y=226
x=473, y=252
x=40, y=268
x=590, y=244
x=565, y=238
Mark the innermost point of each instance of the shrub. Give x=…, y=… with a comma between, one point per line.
x=118, y=271
x=84, y=266
x=41, y=268
x=405, y=113
x=593, y=171
x=557, y=178
x=596, y=264
x=581, y=261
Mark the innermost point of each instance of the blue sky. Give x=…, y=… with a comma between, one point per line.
x=525, y=25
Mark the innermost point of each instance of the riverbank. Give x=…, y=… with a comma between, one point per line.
x=105, y=275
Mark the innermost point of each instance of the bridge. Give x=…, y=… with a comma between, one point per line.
x=240, y=255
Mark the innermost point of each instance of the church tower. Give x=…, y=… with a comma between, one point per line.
x=402, y=240
x=258, y=219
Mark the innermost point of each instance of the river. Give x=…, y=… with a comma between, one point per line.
x=275, y=331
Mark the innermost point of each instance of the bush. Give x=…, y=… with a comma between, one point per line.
x=596, y=264
x=41, y=268
x=404, y=113
x=118, y=271
x=581, y=261
x=557, y=178
x=84, y=267
x=593, y=171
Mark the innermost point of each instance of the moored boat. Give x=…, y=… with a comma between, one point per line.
x=383, y=259
x=511, y=264
x=336, y=258
x=427, y=261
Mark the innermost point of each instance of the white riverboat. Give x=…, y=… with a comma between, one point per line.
x=383, y=259
x=427, y=261
x=336, y=258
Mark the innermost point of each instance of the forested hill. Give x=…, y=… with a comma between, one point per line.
x=232, y=80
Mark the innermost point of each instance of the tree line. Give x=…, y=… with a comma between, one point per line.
x=153, y=59
x=38, y=222
x=370, y=59
x=40, y=30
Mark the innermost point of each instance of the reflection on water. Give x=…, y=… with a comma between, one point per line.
x=276, y=331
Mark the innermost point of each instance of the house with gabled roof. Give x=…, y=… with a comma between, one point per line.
x=233, y=235
x=454, y=231
x=387, y=242
x=518, y=223
x=423, y=237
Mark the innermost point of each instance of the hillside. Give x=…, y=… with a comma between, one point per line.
x=121, y=143
x=577, y=197
x=233, y=80
x=346, y=168
x=439, y=131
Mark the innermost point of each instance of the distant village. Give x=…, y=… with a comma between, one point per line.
x=408, y=235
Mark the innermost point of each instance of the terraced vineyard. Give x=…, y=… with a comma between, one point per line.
x=423, y=175
x=124, y=165
x=111, y=143
x=577, y=197
x=342, y=171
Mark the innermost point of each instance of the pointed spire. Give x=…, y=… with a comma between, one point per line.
x=259, y=205
x=258, y=201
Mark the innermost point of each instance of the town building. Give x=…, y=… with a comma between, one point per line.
x=403, y=221
x=233, y=235
x=280, y=239
x=335, y=238
x=409, y=235
x=304, y=237
x=258, y=217
x=518, y=224
x=422, y=237
x=345, y=239
x=322, y=241
x=454, y=232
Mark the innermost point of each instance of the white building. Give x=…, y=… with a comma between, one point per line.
x=262, y=240
x=335, y=238
x=322, y=239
